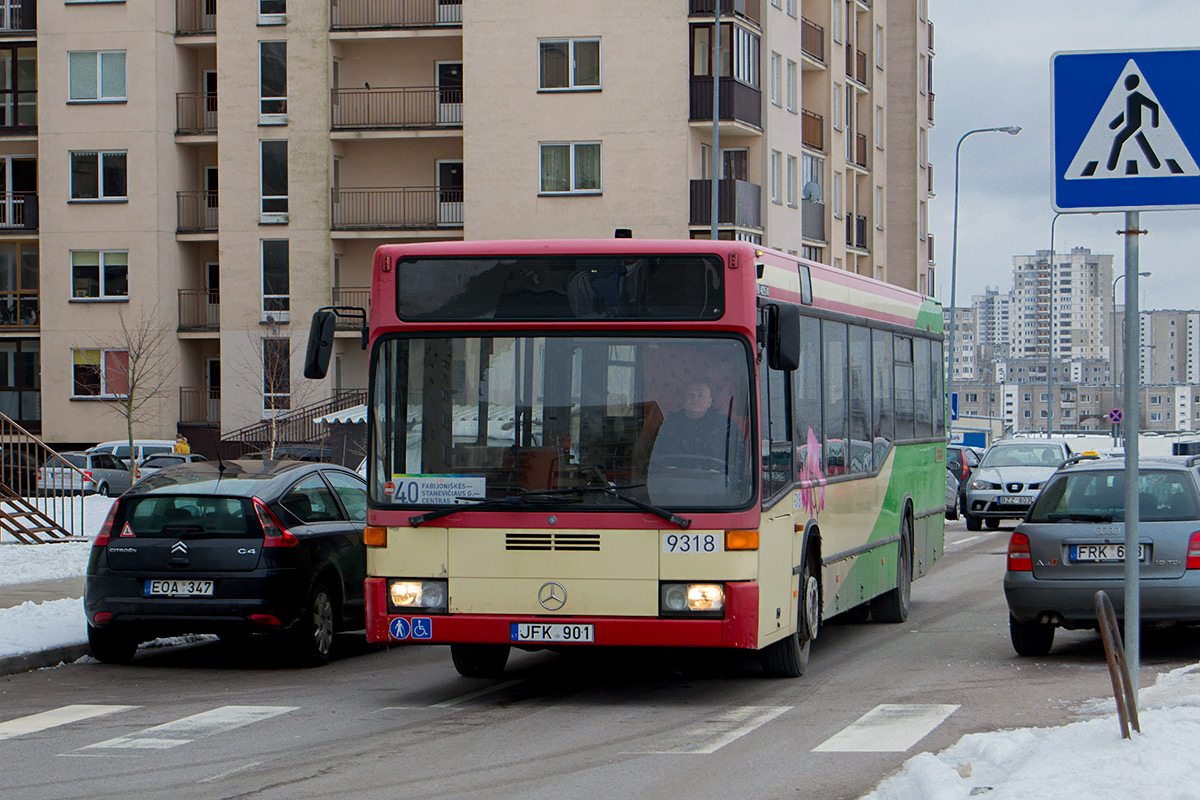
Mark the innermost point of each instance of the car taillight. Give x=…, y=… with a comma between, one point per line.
x=1019, y=559
x=965, y=471
x=274, y=532
x=101, y=539
x=87, y=475
x=1193, y=554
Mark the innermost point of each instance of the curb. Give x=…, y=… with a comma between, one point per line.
x=24, y=662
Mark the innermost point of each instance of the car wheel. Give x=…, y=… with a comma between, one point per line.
x=973, y=523
x=992, y=524
x=111, y=646
x=892, y=606
x=312, y=636
x=102, y=489
x=788, y=658
x=1030, y=638
x=479, y=660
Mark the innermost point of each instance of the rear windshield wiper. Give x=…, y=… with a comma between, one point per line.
x=511, y=501
x=1079, y=518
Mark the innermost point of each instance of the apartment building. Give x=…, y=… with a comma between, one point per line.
x=218, y=174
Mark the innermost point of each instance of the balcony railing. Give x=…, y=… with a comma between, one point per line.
x=931, y=49
x=812, y=220
x=19, y=309
x=197, y=212
x=199, y=310
x=812, y=39
x=738, y=203
x=930, y=113
x=18, y=17
x=860, y=66
x=195, y=17
x=349, y=15
x=812, y=129
x=199, y=406
x=357, y=297
x=930, y=256
x=18, y=211
x=417, y=107
x=196, y=113
x=749, y=9
x=860, y=149
x=856, y=232
x=397, y=209
x=929, y=178
x=739, y=102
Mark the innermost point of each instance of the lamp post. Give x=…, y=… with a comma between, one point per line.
x=1011, y=130
x=1050, y=337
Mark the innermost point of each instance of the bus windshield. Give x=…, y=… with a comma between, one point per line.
x=664, y=419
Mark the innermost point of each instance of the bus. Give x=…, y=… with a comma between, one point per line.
x=686, y=444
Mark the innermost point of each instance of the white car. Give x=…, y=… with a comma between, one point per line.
x=1009, y=478
x=156, y=463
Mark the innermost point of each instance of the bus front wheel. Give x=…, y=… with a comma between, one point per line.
x=788, y=658
x=479, y=660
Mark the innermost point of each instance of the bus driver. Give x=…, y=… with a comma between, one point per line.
x=696, y=443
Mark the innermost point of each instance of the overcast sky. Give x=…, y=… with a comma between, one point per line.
x=992, y=68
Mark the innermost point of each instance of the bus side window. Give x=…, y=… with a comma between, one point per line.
x=777, y=454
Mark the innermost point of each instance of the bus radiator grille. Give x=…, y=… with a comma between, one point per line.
x=552, y=541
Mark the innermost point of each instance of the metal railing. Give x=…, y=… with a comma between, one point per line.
x=357, y=297
x=396, y=209
x=739, y=102
x=812, y=39
x=197, y=212
x=368, y=14
x=195, y=17
x=20, y=309
x=199, y=310
x=930, y=112
x=20, y=16
x=19, y=211
x=199, y=405
x=196, y=113
x=738, y=203
x=743, y=8
x=812, y=220
x=25, y=514
x=298, y=425
x=930, y=37
x=415, y=107
x=812, y=129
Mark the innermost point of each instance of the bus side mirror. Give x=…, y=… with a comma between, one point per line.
x=320, y=344
x=783, y=337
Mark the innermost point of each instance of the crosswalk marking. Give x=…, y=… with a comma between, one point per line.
x=480, y=693
x=720, y=729
x=65, y=715
x=188, y=729
x=887, y=729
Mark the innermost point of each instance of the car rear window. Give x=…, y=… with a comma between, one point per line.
x=161, y=462
x=69, y=460
x=1163, y=496
x=198, y=515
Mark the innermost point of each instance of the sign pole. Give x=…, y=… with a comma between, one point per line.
x=1132, y=384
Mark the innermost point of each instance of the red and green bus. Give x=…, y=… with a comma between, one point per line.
x=625, y=442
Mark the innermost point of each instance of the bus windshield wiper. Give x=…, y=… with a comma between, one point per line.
x=513, y=501
x=614, y=491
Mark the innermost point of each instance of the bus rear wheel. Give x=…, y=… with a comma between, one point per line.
x=479, y=660
x=788, y=658
x=892, y=605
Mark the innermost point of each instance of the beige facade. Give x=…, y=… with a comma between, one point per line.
x=231, y=172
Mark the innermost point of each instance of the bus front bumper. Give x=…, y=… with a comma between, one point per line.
x=738, y=628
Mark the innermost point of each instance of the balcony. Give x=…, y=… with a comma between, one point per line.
x=739, y=102
x=355, y=297
x=19, y=111
x=196, y=114
x=860, y=149
x=358, y=15
x=856, y=232
x=812, y=220
x=199, y=310
x=195, y=17
x=199, y=405
x=856, y=65
x=197, y=212
x=397, y=209
x=932, y=259
x=398, y=109
x=812, y=40
x=738, y=203
x=19, y=310
x=812, y=130
x=929, y=113
x=18, y=17
x=747, y=9
x=18, y=212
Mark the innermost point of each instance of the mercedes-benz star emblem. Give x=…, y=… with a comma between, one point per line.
x=552, y=596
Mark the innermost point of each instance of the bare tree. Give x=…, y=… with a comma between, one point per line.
x=268, y=364
x=138, y=365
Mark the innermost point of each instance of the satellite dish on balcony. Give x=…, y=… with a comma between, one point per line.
x=811, y=192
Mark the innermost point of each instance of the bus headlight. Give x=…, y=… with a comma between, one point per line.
x=692, y=599
x=417, y=595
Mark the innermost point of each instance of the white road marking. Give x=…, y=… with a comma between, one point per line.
x=887, y=729
x=183, y=731
x=720, y=729
x=230, y=773
x=464, y=698
x=50, y=719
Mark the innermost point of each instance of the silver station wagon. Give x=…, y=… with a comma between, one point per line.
x=1072, y=543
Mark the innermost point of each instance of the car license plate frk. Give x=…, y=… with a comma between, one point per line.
x=1108, y=551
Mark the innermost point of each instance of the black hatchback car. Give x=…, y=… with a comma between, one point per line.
x=230, y=548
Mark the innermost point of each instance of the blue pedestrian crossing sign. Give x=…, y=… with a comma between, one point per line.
x=1126, y=130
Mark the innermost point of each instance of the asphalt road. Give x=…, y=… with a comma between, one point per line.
x=209, y=721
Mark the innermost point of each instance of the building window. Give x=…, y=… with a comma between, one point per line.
x=776, y=61
x=776, y=174
x=98, y=175
x=739, y=53
x=879, y=127
x=274, y=181
x=837, y=107
x=18, y=86
x=837, y=195
x=272, y=83
x=97, y=75
x=569, y=64
x=272, y=12
x=879, y=207
x=276, y=303
x=791, y=181
x=791, y=86
x=835, y=24
x=99, y=274
x=570, y=168
x=879, y=46
x=101, y=373
x=277, y=374
x=791, y=8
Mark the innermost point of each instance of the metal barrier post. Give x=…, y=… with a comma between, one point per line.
x=1118, y=667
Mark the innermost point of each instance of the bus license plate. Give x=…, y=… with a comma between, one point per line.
x=1103, y=552
x=536, y=632
x=178, y=588
x=693, y=543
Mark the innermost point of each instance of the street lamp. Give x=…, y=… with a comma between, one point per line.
x=1011, y=130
